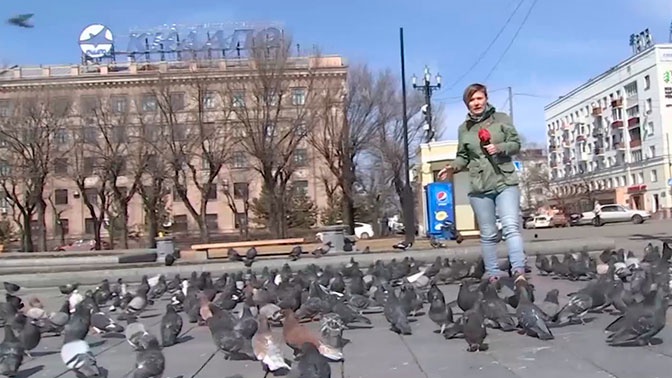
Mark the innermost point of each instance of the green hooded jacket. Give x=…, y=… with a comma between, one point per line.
x=484, y=178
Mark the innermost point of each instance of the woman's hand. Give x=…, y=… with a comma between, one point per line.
x=446, y=173
x=491, y=149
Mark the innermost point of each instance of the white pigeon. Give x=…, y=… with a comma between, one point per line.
x=74, y=299
x=77, y=356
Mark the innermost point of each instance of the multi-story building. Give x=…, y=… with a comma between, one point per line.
x=130, y=91
x=609, y=139
x=533, y=171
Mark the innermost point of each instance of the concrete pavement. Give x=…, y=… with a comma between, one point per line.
x=46, y=279
x=577, y=351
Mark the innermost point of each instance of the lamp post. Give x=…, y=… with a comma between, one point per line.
x=427, y=88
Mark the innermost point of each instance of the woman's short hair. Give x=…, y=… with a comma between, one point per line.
x=473, y=88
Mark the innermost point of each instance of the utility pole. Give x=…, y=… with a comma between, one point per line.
x=427, y=88
x=408, y=202
x=511, y=103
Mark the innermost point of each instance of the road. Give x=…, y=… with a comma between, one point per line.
x=577, y=351
x=627, y=235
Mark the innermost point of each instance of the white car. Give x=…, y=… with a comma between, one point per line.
x=613, y=213
x=362, y=231
x=540, y=221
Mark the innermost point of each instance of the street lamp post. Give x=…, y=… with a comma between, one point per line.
x=427, y=88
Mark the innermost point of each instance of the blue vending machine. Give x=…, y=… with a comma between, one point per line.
x=440, y=209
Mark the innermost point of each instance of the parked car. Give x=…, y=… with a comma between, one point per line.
x=614, y=213
x=362, y=231
x=83, y=245
x=540, y=221
x=560, y=220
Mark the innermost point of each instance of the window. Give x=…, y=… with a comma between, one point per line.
x=89, y=134
x=60, y=166
x=119, y=134
x=88, y=165
x=64, y=225
x=180, y=223
x=633, y=111
x=648, y=130
x=88, y=105
x=89, y=226
x=640, y=178
x=5, y=108
x=61, y=196
x=652, y=152
x=300, y=185
x=648, y=106
x=91, y=195
x=301, y=130
x=241, y=220
x=212, y=191
x=176, y=193
x=632, y=179
x=211, y=222
x=654, y=175
x=177, y=101
x=301, y=157
x=119, y=104
x=5, y=168
x=647, y=82
x=631, y=90
x=241, y=190
x=179, y=133
x=636, y=156
x=209, y=100
x=61, y=136
x=238, y=99
x=239, y=160
x=298, y=96
x=148, y=104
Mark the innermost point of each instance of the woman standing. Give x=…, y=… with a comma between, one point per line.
x=487, y=141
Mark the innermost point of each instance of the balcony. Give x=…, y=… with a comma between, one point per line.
x=553, y=147
x=599, y=151
x=636, y=144
x=616, y=124
x=619, y=146
x=633, y=122
x=554, y=164
x=617, y=103
x=598, y=132
x=580, y=138
x=597, y=112
x=566, y=161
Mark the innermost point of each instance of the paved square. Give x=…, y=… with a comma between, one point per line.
x=577, y=351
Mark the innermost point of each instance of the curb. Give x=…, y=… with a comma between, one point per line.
x=533, y=248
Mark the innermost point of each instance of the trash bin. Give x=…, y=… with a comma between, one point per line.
x=335, y=235
x=164, y=247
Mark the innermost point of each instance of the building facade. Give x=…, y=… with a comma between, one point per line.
x=533, y=170
x=609, y=139
x=179, y=98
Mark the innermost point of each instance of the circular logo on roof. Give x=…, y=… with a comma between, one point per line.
x=442, y=198
x=96, y=41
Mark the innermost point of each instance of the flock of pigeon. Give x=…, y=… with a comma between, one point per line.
x=241, y=309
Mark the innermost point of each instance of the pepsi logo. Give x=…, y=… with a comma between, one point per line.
x=442, y=197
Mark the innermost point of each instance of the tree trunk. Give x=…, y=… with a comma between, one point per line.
x=123, y=210
x=97, y=225
x=152, y=226
x=42, y=225
x=203, y=230
x=27, y=236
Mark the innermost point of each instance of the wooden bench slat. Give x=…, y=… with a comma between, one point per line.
x=254, y=243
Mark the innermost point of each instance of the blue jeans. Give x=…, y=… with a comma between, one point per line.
x=486, y=207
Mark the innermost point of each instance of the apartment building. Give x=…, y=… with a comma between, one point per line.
x=130, y=87
x=533, y=167
x=609, y=139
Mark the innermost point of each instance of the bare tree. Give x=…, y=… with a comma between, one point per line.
x=120, y=154
x=57, y=219
x=236, y=190
x=195, y=141
x=28, y=136
x=273, y=110
x=341, y=139
x=154, y=191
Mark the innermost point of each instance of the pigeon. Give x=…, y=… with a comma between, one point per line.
x=29, y=335
x=171, y=326
x=102, y=323
x=267, y=349
x=396, y=314
x=250, y=255
x=67, y=289
x=296, y=335
x=22, y=20
x=474, y=328
x=295, y=253
x=641, y=322
x=233, y=255
x=11, y=353
x=439, y=312
x=134, y=333
x=531, y=318
x=78, y=326
x=77, y=356
x=150, y=361
x=550, y=306
x=495, y=312
x=11, y=288
x=311, y=363
x=577, y=307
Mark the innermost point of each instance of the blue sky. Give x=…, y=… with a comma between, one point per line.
x=563, y=44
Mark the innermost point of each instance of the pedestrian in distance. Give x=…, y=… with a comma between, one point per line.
x=597, y=211
x=487, y=142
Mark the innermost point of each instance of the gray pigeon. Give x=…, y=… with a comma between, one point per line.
x=311, y=364
x=150, y=361
x=531, y=318
x=171, y=326
x=577, y=307
x=78, y=326
x=474, y=328
x=11, y=353
x=439, y=312
x=640, y=323
x=495, y=311
x=77, y=356
x=550, y=306
x=29, y=335
x=396, y=314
